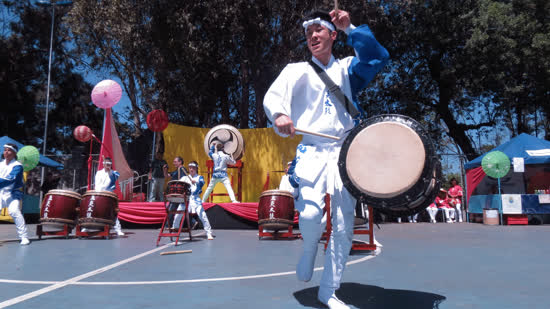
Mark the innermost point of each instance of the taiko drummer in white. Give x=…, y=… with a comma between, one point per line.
x=105, y=180
x=299, y=97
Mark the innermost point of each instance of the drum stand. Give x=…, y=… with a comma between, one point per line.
x=276, y=234
x=356, y=245
x=171, y=232
x=66, y=231
x=101, y=233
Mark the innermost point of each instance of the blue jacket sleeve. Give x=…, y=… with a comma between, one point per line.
x=199, y=185
x=211, y=152
x=15, y=175
x=370, y=58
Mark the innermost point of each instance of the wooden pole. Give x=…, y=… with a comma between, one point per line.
x=176, y=252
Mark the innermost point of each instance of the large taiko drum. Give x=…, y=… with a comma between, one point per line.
x=389, y=163
x=177, y=191
x=60, y=207
x=97, y=209
x=276, y=210
x=229, y=136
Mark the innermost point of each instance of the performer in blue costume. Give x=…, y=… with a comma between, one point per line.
x=195, y=203
x=299, y=98
x=11, y=189
x=105, y=180
x=221, y=159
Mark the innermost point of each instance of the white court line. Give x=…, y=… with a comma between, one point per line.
x=73, y=280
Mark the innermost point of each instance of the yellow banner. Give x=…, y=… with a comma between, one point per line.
x=265, y=151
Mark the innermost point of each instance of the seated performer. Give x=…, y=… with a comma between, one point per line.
x=11, y=189
x=195, y=203
x=105, y=180
x=432, y=211
x=455, y=198
x=221, y=159
x=442, y=202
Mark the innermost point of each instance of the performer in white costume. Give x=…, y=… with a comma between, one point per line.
x=195, y=203
x=11, y=189
x=221, y=159
x=298, y=97
x=105, y=180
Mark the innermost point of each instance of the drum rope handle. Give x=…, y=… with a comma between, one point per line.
x=317, y=134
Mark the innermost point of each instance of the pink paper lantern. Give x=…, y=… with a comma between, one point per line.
x=82, y=134
x=157, y=120
x=106, y=94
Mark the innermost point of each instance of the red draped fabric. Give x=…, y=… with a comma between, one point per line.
x=142, y=212
x=473, y=178
x=153, y=213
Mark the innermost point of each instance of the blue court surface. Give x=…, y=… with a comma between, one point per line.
x=422, y=265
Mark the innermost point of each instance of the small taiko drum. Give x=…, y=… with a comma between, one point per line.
x=97, y=209
x=177, y=191
x=389, y=162
x=276, y=210
x=60, y=207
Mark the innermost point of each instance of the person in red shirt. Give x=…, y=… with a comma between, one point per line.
x=455, y=198
x=442, y=203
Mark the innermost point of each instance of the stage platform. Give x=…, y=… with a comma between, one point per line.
x=421, y=266
x=220, y=215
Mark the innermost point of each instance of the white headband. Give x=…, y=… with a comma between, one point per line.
x=193, y=165
x=10, y=147
x=319, y=21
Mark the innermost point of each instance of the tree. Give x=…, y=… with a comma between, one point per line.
x=23, y=80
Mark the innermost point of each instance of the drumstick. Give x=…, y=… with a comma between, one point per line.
x=336, y=7
x=176, y=252
x=317, y=134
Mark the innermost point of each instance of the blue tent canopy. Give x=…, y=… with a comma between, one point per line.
x=524, y=146
x=44, y=161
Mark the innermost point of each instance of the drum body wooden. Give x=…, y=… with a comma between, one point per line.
x=389, y=163
x=97, y=209
x=177, y=191
x=60, y=207
x=276, y=210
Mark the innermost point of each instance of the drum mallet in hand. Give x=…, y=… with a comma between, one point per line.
x=176, y=252
x=317, y=134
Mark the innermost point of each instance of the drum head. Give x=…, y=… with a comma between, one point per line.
x=229, y=136
x=389, y=163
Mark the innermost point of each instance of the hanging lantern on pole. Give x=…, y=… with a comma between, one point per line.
x=157, y=120
x=106, y=94
x=82, y=134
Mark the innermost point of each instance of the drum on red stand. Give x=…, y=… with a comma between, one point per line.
x=276, y=210
x=97, y=209
x=389, y=163
x=60, y=207
x=177, y=191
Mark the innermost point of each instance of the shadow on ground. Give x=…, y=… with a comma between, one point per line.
x=369, y=296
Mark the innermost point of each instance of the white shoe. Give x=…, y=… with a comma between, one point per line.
x=235, y=202
x=119, y=233
x=304, y=269
x=377, y=243
x=25, y=241
x=84, y=230
x=209, y=236
x=331, y=300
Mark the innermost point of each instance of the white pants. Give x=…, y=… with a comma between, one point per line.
x=432, y=211
x=214, y=182
x=310, y=205
x=458, y=209
x=448, y=212
x=14, y=210
x=195, y=206
x=157, y=186
x=117, y=226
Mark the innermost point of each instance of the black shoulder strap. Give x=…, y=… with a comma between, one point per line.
x=335, y=90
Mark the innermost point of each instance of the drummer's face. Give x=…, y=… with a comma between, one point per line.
x=192, y=170
x=176, y=162
x=9, y=154
x=320, y=40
